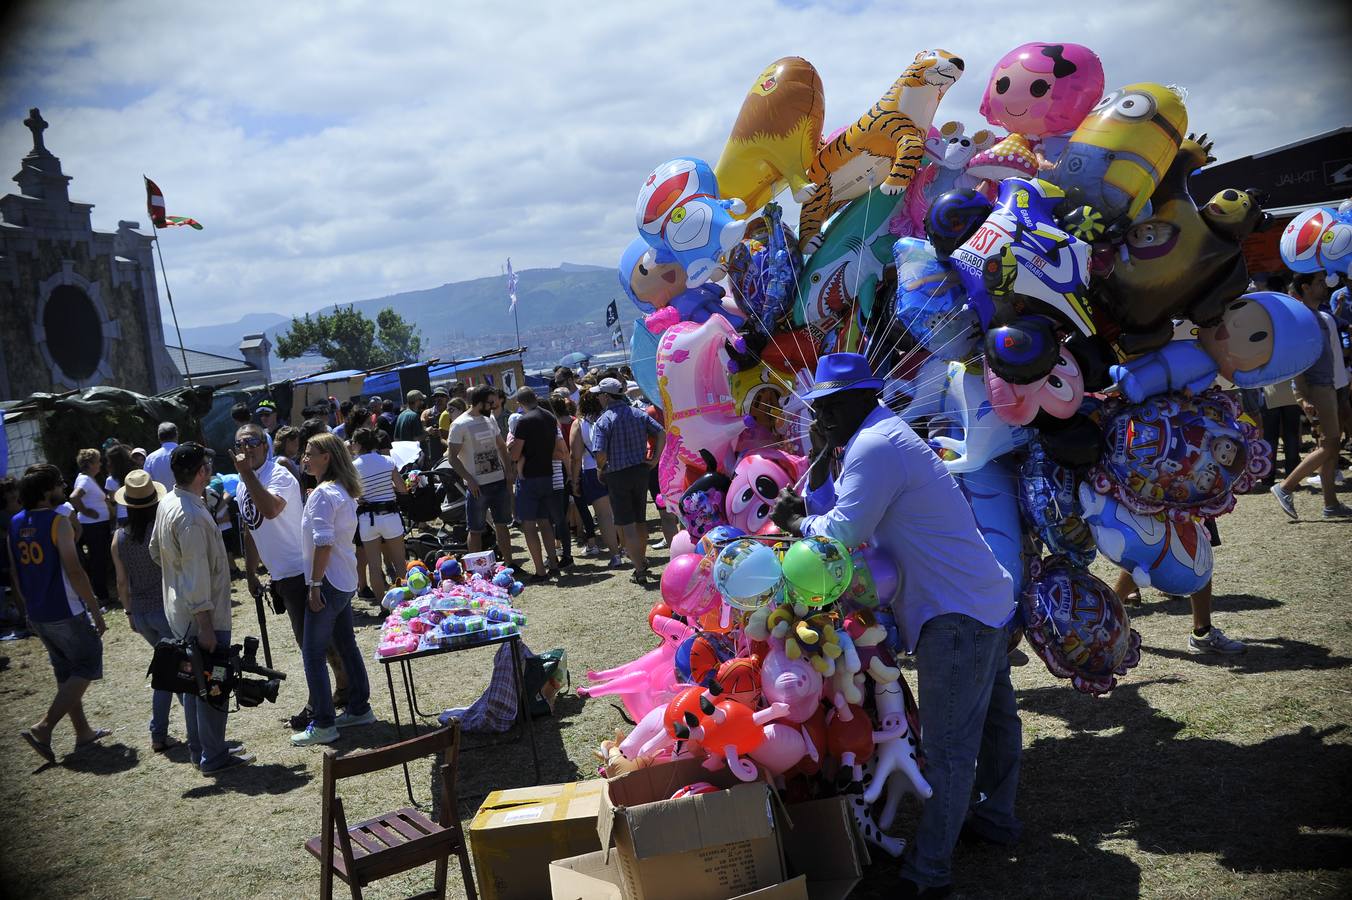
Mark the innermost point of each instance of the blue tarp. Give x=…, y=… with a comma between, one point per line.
x=386, y=384
x=324, y=377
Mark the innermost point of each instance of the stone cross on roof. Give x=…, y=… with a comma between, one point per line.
x=37, y=125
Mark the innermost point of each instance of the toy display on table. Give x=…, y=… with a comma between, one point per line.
x=445, y=607
x=1045, y=302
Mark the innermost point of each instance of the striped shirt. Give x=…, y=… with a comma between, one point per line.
x=377, y=485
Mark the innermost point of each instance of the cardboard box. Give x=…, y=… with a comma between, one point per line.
x=704, y=847
x=517, y=833
x=591, y=877
x=821, y=844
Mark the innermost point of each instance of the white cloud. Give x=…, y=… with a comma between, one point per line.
x=337, y=152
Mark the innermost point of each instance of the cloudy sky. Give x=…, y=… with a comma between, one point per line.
x=343, y=151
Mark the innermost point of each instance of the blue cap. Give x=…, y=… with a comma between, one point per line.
x=842, y=372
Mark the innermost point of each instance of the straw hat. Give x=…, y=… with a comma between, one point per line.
x=139, y=490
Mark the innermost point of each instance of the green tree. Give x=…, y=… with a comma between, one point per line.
x=350, y=340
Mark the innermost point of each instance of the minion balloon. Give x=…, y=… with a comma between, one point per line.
x=1122, y=149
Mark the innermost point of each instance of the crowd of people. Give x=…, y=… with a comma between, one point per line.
x=316, y=510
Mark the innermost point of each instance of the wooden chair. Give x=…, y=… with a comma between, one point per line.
x=398, y=841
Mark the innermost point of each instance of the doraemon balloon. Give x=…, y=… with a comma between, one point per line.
x=1318, y=240
x=1169, y=554
x=1187, y=455
x=682, y=218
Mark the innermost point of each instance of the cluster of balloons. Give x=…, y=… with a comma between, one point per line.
x=1319, y=240
x=1045, y=302
x=774, y=658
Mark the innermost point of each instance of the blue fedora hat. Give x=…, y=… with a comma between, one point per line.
x=842, y=372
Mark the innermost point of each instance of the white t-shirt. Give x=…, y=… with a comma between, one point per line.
x=585, y=433
x=478, y=440
x=1340, y=379
x=377, y=486
x=277, y=540
x=330, y=520
x=94, y=500
x=110, y=484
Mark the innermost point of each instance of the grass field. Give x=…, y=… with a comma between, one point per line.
x=1196, y=777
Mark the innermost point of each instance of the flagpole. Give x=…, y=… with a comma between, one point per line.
x=187, y=373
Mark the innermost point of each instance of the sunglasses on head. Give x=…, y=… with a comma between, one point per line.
x=249, y=442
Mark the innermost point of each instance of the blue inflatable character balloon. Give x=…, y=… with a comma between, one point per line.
x=683, y=220
x=1167, y=553
x=990, y=490
x=1078, y=625
x=1263, y=338
x=931, y=304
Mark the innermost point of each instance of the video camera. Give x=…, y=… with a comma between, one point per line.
x=183, y=667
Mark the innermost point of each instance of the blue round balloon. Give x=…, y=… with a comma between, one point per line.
x=747, y=573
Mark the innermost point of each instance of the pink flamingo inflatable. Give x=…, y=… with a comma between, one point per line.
x=648, y=681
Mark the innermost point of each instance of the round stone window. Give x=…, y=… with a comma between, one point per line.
x=74, y=332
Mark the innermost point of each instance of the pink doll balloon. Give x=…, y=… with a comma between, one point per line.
x=1041, y=90
x=756, y=485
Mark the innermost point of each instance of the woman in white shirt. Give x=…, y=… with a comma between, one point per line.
x=95, y=535
x=120, y=465
x=327, y=526
x=380, y=528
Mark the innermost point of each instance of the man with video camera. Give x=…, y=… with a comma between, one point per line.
x=196, y=572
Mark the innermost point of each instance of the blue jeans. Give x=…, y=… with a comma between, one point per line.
x=333, y=624
x=970, y=729
x=153, y=626
x=205, y=725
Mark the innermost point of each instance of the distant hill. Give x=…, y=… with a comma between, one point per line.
x=463, y=309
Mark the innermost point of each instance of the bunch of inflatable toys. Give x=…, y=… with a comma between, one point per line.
x=447, y=606
x=1047, y=304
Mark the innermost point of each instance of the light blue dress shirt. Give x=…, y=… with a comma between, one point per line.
x=894, y=491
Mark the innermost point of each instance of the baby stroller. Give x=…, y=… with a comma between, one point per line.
x=440, y=516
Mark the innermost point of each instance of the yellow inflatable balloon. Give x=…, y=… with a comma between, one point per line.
x=776, y=135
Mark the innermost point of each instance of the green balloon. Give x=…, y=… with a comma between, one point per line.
x=817, y=570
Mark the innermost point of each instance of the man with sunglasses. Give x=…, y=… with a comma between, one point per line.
x=952, y=607
x=270, y=507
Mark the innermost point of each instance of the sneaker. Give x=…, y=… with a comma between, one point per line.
x=615, y=562
x=660, y=543
x=1215, y=641
x=233, y=761
x=347, y=720
x=1314, y=482
x=639, y=577
x=315, y=735
x=1285, y=502
x=1341, y=511
x=591, y=551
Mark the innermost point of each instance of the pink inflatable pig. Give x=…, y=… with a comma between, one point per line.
x=791, y=681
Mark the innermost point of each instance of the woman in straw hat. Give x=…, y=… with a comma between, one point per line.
x=139, y=586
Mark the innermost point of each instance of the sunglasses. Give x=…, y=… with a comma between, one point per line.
x=249, y=442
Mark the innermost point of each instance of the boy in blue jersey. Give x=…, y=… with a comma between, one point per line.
x=46, y=574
